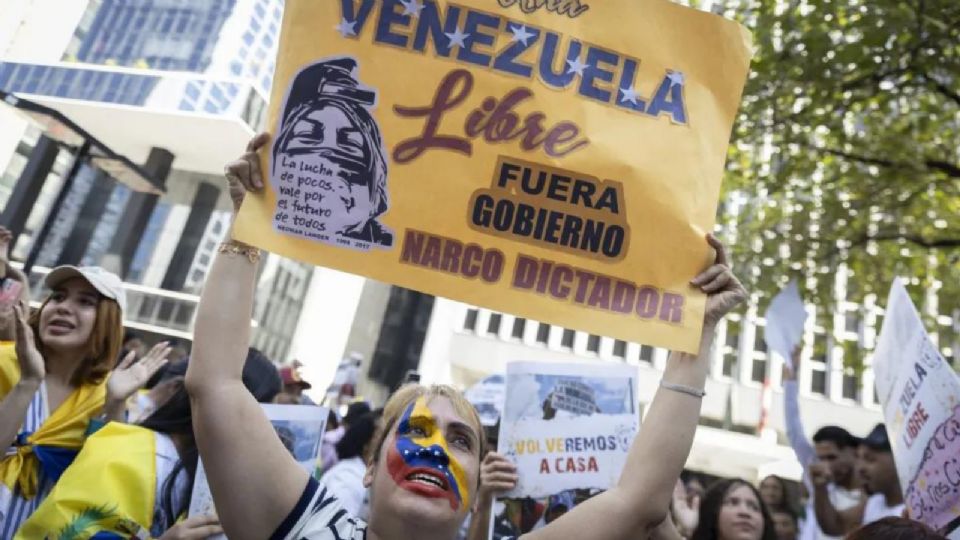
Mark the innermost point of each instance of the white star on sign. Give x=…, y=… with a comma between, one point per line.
x=629, y=95
x=576, y=66
x=346, y=28
x=412, y=7
x=457, y=38
x=520, y=33
x=676, y=77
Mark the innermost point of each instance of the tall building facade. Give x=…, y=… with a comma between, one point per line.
x=177, y=86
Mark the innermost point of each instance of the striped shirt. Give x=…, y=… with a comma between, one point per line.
x=320, y=516
x=14, y=509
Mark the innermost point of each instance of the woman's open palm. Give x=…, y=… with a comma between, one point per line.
x=130, y=376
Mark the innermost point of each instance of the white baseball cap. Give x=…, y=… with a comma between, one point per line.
x=106, y=283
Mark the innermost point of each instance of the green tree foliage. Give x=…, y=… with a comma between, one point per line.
x=847, y=147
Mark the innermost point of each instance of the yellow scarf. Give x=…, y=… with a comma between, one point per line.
x=64, y=428
x=109, y=488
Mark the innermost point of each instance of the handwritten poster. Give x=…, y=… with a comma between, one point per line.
x=568, y=428
x=560, y=162
x=920, y=394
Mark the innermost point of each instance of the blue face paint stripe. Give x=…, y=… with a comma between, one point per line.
x=413, y=456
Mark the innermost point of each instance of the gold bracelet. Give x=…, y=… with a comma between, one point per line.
x=233, y=247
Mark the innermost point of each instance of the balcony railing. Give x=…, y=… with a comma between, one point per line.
x=148, y=309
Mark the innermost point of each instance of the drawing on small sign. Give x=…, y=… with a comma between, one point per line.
x=328, y=162
x=932, y=493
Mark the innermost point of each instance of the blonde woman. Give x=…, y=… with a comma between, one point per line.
x=424, y=471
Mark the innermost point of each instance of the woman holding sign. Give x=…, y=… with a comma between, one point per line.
x=424, y=473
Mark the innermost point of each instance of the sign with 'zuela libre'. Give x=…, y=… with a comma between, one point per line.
x=556, y=159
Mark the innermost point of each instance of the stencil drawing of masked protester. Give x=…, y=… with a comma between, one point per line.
x=327, y=129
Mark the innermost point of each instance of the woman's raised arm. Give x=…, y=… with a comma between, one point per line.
x=254, y=480
x=641, y=499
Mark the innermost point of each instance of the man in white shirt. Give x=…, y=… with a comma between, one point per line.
x=877, y=469
x=833, y=447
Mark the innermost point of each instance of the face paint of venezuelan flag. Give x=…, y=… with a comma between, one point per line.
x=421, y=447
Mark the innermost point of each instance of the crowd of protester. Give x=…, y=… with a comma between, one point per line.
x=90, y=413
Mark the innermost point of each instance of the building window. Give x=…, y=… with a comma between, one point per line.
x=566, y=341
x=729, y=364
x=818, y=365
x=620, y=348
x=593, y=344
x=192, y=90
x=470, y=323
x=818, y=382
x=851, y=322
x=519, y=325
x=759, y=343
x=733, y=334
x=493, y=326
x=851, y=385
x=646, y=353
x=759, y=371
x=543, y=333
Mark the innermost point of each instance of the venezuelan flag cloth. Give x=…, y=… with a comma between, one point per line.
x=53, y=444
x=107, y=493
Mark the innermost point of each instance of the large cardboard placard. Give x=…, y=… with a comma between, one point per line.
x=559, y=160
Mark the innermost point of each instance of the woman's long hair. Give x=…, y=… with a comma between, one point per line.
x=787, y=503
x=356, y=440
x=175, y=417
x=708, y=526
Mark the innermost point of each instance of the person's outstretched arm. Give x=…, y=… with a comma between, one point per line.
x=254, y=480
x=640, y=500
x=791, y=413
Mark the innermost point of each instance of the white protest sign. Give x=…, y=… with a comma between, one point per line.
x=300, y=428
x=785, y=319
x=585, y=452
x=920, y=394
x=568, y=428
x=487, y=397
